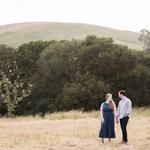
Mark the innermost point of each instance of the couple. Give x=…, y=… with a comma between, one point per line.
x=109, y=114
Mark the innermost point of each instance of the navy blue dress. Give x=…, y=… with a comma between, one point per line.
x=107, y=127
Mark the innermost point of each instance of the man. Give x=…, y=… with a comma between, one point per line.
x=123, y=111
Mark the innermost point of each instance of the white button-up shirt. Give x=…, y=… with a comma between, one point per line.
x=124, y=107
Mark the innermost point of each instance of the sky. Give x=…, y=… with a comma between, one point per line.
x=132, y=15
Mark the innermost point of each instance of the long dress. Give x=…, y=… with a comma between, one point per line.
x=107, y=127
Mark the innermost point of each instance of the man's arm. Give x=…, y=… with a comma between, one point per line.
x=118, y=113
x=129, y=107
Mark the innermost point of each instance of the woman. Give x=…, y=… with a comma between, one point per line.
x=107, y=112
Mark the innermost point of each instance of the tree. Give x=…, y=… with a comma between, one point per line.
x=12, y=89
x=71, y=75
x=85, y=93
x=145, y=38
x=7, y=56
x=137, y=84
x=27, y=56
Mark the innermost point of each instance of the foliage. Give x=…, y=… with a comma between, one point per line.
x=12, y=89
x=77, y=74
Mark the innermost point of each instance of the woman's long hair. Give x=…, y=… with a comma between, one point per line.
x=111, y=102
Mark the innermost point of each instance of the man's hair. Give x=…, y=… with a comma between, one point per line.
x=123, y=92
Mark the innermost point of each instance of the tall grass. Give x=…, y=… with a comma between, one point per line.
x=141, y=111
x=74, y=114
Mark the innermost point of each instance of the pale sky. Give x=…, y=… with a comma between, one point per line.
x=131, y=15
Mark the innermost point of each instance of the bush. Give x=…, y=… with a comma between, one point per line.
x=85, y=95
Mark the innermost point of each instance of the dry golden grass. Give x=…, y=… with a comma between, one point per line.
x=71, y=131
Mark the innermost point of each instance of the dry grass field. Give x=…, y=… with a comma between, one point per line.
x=72, y=130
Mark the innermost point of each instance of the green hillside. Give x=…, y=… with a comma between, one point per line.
x=16, y=34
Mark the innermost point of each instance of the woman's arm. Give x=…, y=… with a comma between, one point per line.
x=101, y=113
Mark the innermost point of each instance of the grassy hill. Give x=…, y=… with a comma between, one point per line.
x=16, y=34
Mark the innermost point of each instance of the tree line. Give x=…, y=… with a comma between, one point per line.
x=74, y=74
